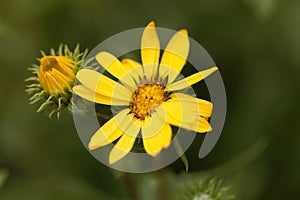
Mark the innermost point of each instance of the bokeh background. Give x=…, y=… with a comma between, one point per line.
x=256, y=45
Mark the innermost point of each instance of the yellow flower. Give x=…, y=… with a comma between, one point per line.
x=57, y=74
x=53, y=79
x=149, y=93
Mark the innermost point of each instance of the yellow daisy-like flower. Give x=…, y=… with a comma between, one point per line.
x=151, y=96
x=53, y=78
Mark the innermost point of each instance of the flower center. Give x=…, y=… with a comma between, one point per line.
x=47, y=63
x=145, y=99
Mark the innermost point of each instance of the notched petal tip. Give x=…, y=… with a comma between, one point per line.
x=153, y=154
x=207, y=129
x=150, y=151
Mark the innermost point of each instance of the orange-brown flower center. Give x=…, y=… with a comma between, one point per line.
x=145, y=99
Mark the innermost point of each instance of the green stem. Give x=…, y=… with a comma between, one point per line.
x=183, y=157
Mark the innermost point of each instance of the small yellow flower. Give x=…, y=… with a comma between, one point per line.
x=57, y=74
x=150, y=95
x=53, y=79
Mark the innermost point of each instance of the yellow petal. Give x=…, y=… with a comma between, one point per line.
x=200, y=106
x=139, y=122
x=103, y=85
x=152, y=125
x=58, y=87
x=126, y=142
x=174, y=113
x=137, y=70
x=66, y=65
x=110, y=131
x=161, y=139
x=121, y=149
x=131, y=63
x=150, y=50
x=112, y=64
x=88, y=94
x=62, y=79
x=47, y=83
x=190, y=80
x=175, y=55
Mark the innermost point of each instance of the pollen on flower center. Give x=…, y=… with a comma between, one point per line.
x=145, y=98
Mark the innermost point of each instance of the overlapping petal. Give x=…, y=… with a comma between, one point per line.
x=111, y=130
x=135, y=75
x=157, y=135
x=112, y=64
x=199, y=106
x=103, y=85
x=177, y=114
x=125, y=144
x=98, y=98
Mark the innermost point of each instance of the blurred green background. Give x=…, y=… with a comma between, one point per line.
x=256, y=45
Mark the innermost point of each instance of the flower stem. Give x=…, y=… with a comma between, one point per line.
x=179, y=150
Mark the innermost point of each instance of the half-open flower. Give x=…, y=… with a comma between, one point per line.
x=53, y=79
